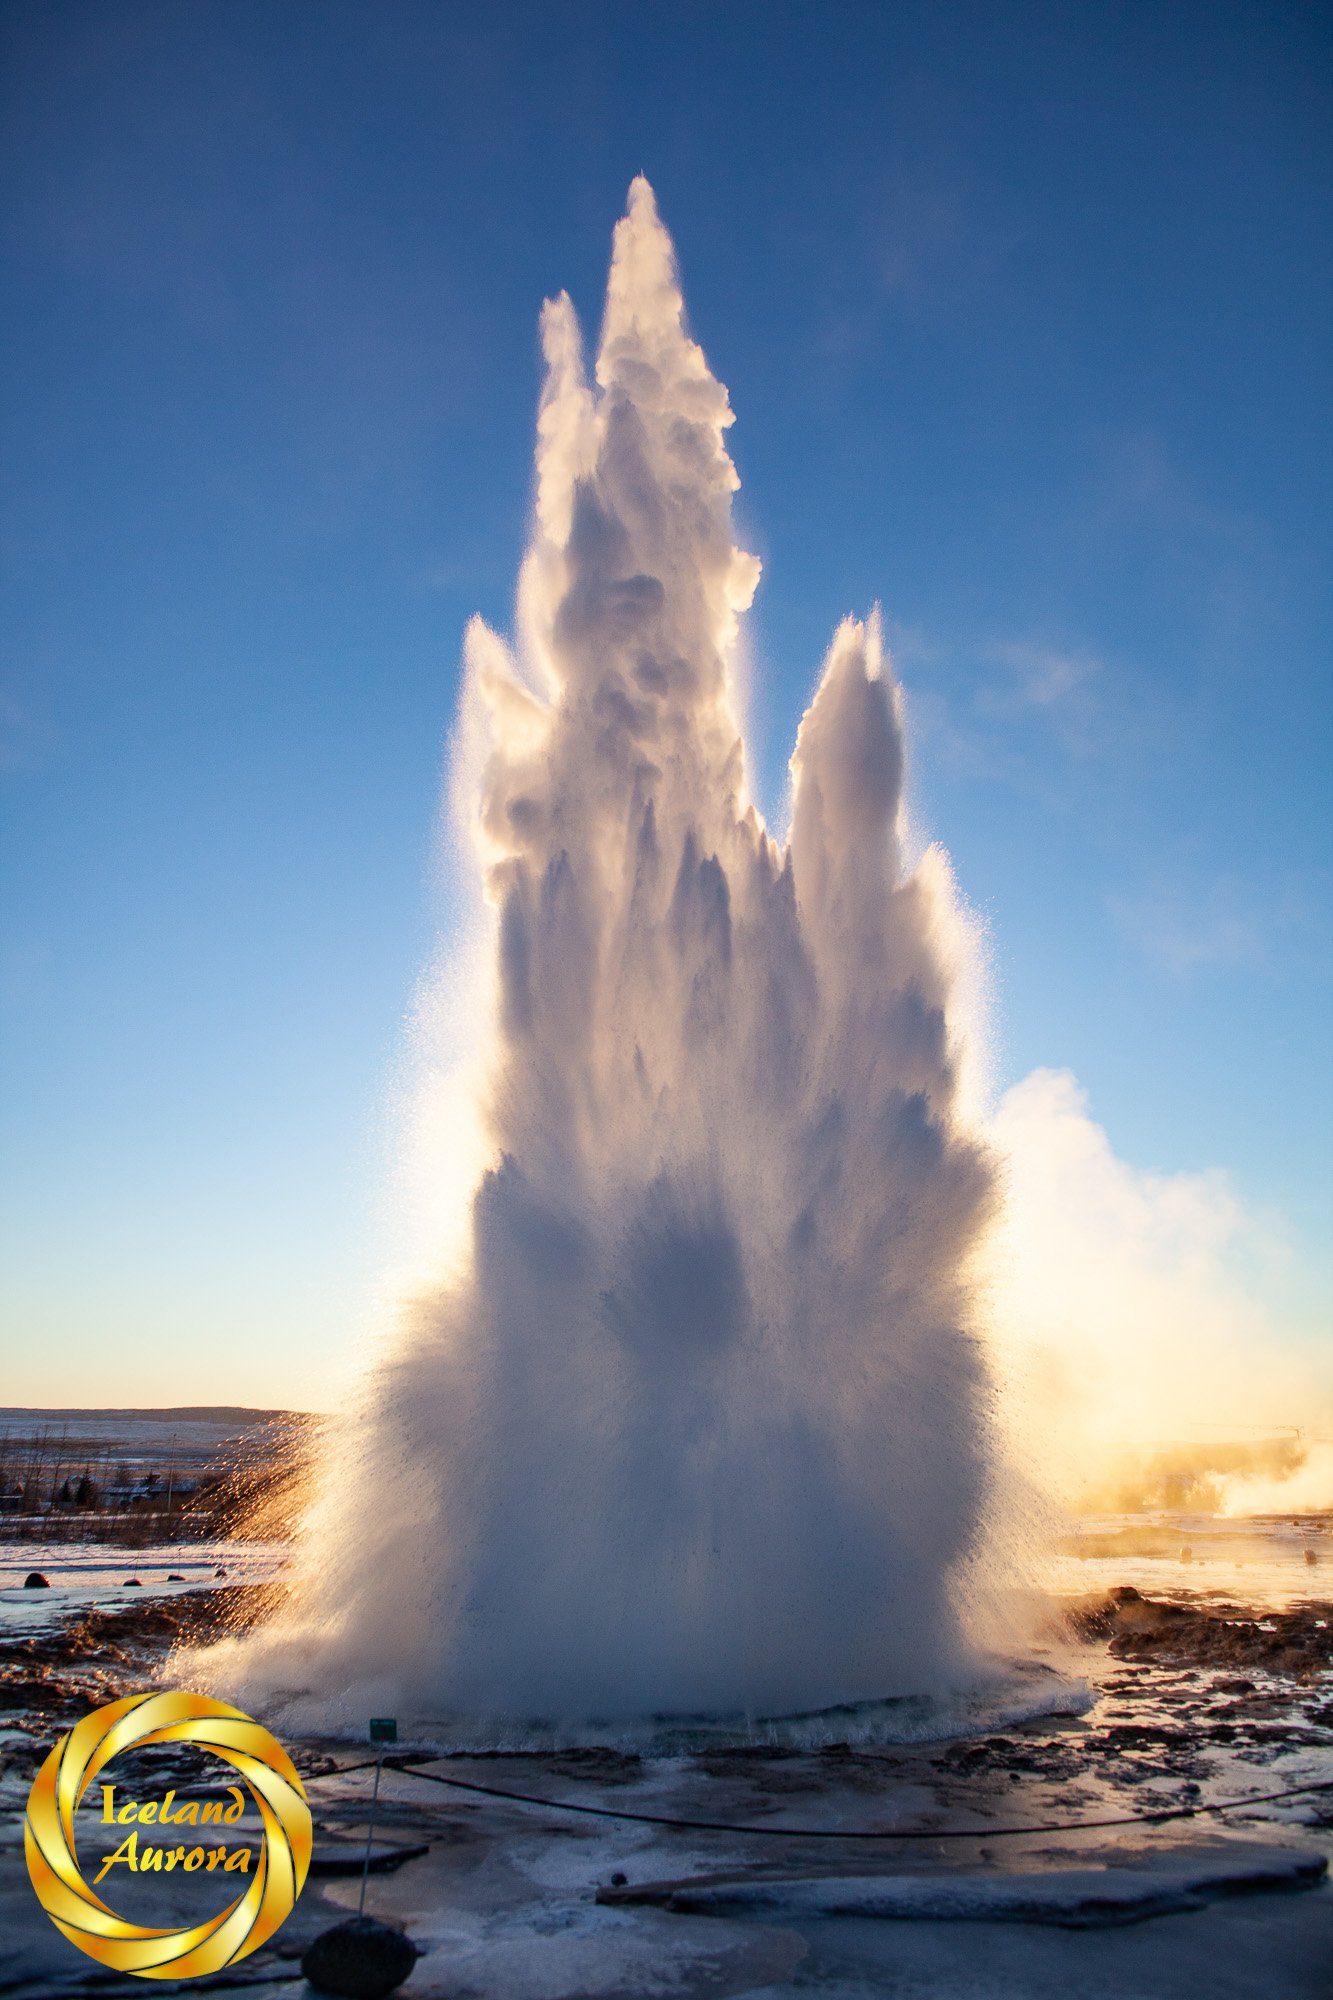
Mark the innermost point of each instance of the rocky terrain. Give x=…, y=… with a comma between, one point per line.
x=937, y=1869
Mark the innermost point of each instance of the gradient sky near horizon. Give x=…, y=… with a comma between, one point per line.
x=1025, y=311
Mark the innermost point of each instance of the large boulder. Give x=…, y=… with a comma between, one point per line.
x=361, y=1959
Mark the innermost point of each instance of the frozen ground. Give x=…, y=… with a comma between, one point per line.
x=522, y=1902
x=97, y=1575
x=1270, y=1559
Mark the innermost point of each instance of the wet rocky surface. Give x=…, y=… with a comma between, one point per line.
x=1296, y=1643
x=1191, y=1705
x=52, y=1677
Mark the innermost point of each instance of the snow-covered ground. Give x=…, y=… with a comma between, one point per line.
x=84, y=1575
x=978, y=1885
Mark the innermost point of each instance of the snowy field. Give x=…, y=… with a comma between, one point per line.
x=83, y=1576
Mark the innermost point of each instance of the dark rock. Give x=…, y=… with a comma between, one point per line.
x=174, y=1576
x=618, y=1880
x=34, y=1580
x=131, y=1583
x=1296, y=1643
x=361, y=1959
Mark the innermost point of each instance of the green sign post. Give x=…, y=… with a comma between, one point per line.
x=383, y=1729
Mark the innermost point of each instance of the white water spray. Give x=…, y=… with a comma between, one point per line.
x=700, y=1422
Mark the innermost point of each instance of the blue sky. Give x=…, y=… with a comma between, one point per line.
x=1025, y=312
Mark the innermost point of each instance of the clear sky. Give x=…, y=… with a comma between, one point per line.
x=1025, y=313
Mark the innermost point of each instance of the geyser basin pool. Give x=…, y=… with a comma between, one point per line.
x=699, y=1419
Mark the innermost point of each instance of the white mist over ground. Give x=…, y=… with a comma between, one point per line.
x=1129, y=1319
x=694, y=1415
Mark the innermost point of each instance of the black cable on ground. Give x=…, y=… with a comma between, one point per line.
x=1154, y=1818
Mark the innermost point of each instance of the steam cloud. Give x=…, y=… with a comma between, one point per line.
x=697, y=1418
x=1142, y=1359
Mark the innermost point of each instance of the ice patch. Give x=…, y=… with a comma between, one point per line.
x=1072, y=1898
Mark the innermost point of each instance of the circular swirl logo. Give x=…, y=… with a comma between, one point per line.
x=132, y=1724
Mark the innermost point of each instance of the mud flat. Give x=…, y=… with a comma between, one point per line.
x=978, y=1883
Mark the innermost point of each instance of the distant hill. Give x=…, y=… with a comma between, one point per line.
x=183, y=1413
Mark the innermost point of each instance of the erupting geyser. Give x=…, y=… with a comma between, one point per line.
x=701, y=1421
